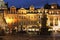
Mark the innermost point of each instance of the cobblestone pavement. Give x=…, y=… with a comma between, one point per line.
x=29, y=37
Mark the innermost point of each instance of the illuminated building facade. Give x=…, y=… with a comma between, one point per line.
x=53, y=15
x=23, y=18
x=2, y=8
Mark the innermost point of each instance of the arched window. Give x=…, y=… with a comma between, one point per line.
x=56, y=22
x=51, y=21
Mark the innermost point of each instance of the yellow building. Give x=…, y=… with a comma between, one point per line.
x=53, y=16
x=21, y=17
x=31, y=17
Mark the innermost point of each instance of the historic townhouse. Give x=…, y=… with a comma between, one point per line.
x=22, y=19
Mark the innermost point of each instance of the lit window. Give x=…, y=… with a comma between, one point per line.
x=46, y=11
x=52, y=7
x=51, y=21
x=57, y=12
x=50, y=12
x=56, y=22
x=51, y=24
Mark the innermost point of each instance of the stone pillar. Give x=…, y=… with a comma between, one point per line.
x=48, y=22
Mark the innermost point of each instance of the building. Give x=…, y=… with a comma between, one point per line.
x=53, y=15
x=22, y=18
x=2, y=8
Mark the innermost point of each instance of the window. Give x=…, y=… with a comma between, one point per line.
x=51, y=21
x=40, y=12
x=50, y=12
x=51, y=24
x=39, y=16
x=56, y=22
x=35, y=16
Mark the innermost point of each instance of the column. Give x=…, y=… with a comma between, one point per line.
x=58, y=22
x=48, y=22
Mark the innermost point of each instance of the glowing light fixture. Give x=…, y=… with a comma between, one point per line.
x=9, y=21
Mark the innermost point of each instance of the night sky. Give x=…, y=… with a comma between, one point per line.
x=27, y=3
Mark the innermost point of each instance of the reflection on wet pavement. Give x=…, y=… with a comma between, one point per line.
x=29, y=37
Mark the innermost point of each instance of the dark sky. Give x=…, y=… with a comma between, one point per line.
x=27, y=3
